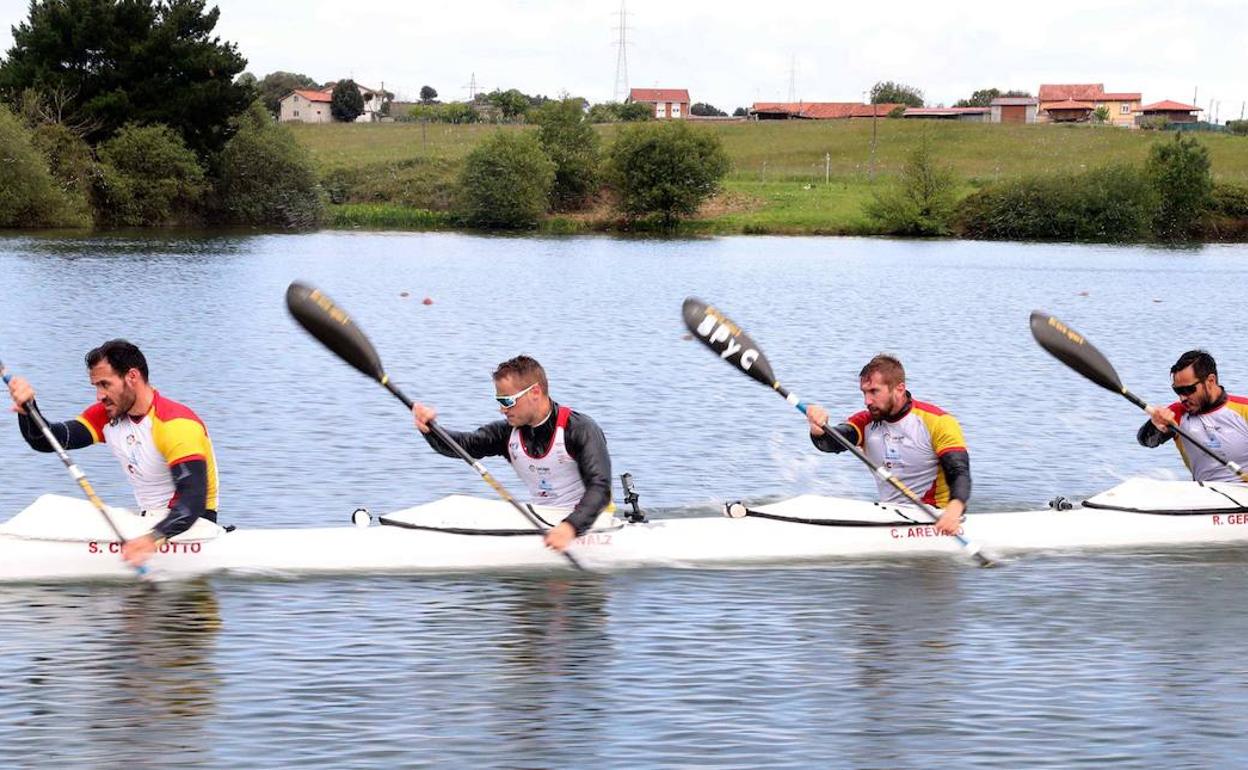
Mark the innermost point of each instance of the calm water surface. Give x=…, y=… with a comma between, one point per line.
x=1127, y=660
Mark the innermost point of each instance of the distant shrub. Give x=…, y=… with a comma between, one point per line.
x=923, y=200
x=506, y=182
x=1230, y=199
x=265, y=177
x=897, y=112
x=451, y=112
x=1237, y=127
x=617, y=112
x=30, y=195
x=571, y=142
x=666, y=168
x=1155, y=122
x=1110, y=204
x=1179, y=172
x=71, y=163
x=148, y=177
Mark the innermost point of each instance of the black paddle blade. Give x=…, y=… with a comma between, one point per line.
x=727, y=340
x=330, y=324
x=1069, y=347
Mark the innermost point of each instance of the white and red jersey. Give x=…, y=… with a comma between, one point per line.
x=1224, y=430
x=554, y=479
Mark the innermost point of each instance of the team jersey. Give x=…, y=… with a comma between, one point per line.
x=151, y=446
x=553, y=478
x=1224, y=430
x=911, y=448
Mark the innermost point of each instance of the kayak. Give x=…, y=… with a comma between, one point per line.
x=61, y=538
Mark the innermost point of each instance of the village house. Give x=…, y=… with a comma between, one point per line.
x=312, y=105
x=666, y=103
x=820, y=110
x=1172, y=112
x=1075, y=103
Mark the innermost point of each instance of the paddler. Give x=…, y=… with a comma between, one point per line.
x=162, y=445
x=1206, y=412
x=560, y=454
x=919, y=443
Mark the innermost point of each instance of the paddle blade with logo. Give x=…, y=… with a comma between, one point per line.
x=330, y=324
x=1069, y=346
x=726, y=340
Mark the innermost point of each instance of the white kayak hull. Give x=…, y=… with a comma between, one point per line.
x=64, y=539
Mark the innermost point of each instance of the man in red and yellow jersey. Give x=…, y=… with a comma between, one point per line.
x=162, y=445
x=920, y=443
x=1207, y=413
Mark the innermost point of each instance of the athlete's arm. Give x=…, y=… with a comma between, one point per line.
x=826, y=443
x=587, y=443
x=71, y=435
x=190, y=479
x=1150, y=436
x=487, y=441
x=956, y=464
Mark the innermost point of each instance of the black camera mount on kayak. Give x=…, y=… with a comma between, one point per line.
x=636, y=515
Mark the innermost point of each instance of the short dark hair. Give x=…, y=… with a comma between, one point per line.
x=888, y=367
x=525, y=369
x=1201, y=362
x=122, y=355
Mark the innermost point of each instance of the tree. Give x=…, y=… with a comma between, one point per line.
x=346, y=103
x=511, y=104
x=702, y=109
x=428, y=94
x=922, y=202
x=1179, y=171
x=980, y=98
x=1100, y=114
x=265, y=177
x=130, y=60
x=888, y=92
x=148, y=177
x=571, y=142
x=275, y=85
x=666, y=168
x=616, y=112
x=740, y=112
x=506, y=182
x=30, y=196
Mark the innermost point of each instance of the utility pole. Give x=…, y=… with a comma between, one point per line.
x=471, y=88
x=620, y=91
x=792, y=79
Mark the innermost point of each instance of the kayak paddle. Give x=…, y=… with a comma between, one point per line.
x=33, y=412
x=1069, y=346
x=330, y=324
x=733, y=345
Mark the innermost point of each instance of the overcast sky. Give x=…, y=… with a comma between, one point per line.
x=732, y=54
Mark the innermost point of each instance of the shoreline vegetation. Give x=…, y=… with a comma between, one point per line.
x=802, y=178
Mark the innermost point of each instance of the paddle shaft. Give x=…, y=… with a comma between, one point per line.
x=1189, y=438
x=488, y=477
x=885, y=474
x=74, y=471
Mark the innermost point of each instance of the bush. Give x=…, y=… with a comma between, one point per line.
x=452, y=112
x=71, y=163
x=571, y=142
x=346, y=103
x=265, y=177
x=1230, y=199
x=506, y=182
x=1109, y=204
x=147, y=177
x=616, y=112
x=1179, y=171
x=1155, y=123
x=30, y=195
x=922, y=202
x=1237, y=127
x=666, y=168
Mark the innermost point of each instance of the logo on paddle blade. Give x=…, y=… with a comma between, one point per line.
x=724, y=337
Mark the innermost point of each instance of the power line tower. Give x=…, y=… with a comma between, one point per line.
x=792, y=79
x=621, y=58
x=471, y=88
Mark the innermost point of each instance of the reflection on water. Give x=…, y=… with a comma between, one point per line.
x=1129, y=660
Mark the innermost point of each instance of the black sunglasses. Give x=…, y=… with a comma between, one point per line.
x=1184, y=390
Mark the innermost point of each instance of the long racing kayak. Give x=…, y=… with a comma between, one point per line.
x=61, y=538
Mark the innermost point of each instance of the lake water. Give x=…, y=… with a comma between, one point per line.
x=1125, y=660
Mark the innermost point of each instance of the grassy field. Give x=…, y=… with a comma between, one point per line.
x=787, y=177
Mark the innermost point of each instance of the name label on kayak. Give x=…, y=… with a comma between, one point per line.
x=1230, y=518
x=918, y=531
x=594, y=538
x=166, y=547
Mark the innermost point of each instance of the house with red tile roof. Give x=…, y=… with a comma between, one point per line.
x=312, y=105
x=667, y=103
x=1173, y=112
x=1062, y=103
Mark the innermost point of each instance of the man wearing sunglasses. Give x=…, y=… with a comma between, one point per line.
x=921, y=444
x=560, y=454
x=1207, y=412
